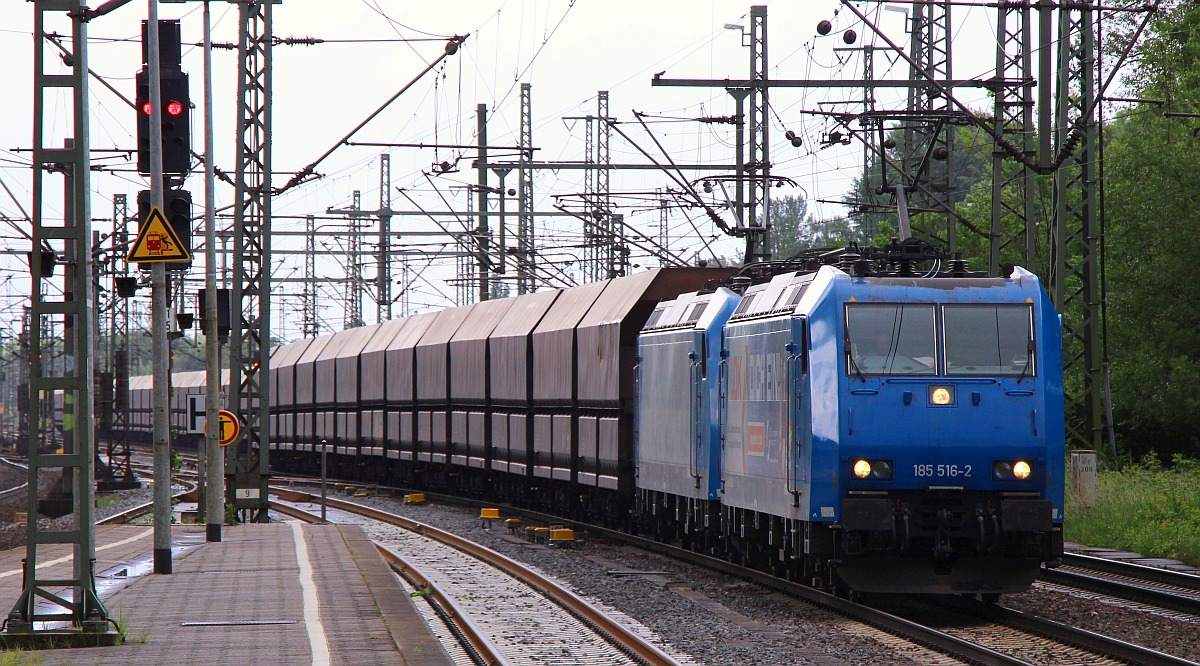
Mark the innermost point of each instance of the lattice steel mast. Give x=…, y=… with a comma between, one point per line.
x=1014, y=228
x=383, y=275
x=928, y=138
x=119, y=473
x=355, y=286
x=1075, y=242
x=63, y=295
x=757, y=220
x=354, y=280
x=525, y=245
x=247, y=464
x=311, y=328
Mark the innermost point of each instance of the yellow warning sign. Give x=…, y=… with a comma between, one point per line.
x=157, y=241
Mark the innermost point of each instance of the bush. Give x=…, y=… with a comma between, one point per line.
x=1143, y=508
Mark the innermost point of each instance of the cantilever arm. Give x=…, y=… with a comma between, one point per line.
x=309, y=171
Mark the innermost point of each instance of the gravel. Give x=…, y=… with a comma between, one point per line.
x=1178, y=635
x=768, y=628
x=788, y=631
x=12, y=535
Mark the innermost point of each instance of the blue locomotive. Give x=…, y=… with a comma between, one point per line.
x=872, y=429
x=846, y=419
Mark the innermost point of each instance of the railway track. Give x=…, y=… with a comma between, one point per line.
x=996, y=635
x=1024, y=638
x=508, y=612
x=970, y=632
x=140, y=510
x=1153, y=587
x=16, y=491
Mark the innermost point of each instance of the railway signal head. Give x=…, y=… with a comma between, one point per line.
x=178, y=209
x=176, y=123
x=175, y=102
x=175, y=118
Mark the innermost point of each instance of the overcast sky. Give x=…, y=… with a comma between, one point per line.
x=567, y=51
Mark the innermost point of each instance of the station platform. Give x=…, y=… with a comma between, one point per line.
x=278, y=593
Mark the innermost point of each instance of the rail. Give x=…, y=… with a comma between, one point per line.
x=17, y=490
x=1133, y=570
x=636, y=646
x=461, y=625
x=919, y=633
x=1150, y=585
x=139, y=510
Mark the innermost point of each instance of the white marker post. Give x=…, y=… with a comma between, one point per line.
x=324, y=446
x=1083, y=477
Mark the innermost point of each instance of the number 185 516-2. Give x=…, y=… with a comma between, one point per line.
x=951, y=471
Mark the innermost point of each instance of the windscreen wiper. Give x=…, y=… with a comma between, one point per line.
x=1028, y=360
x=850, y=358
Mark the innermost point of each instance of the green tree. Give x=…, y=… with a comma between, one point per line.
x=788, y=215
x=1151, y=218
x=873, y=207
x=793, y=230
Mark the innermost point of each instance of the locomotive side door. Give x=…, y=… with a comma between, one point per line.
x=798, y=454
x=697, y=416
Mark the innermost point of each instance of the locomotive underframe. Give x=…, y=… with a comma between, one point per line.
x=945, y=541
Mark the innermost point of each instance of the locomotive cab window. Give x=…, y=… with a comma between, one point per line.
x=989, y=340
x=890, y=339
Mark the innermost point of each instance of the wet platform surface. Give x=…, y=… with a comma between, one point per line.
x=279, y=593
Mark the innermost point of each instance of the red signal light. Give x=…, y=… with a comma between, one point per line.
x=174, y=108
x=146, y=108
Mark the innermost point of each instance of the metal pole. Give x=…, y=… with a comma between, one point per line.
x=503, y=223
x=158, y=277
x=214, y=510
x=739, y=203
x=482, y=234
x=1045, y=82
x=324, y=446
x=502, y=247
x=383, y=279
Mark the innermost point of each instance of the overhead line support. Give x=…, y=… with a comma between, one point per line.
x=41, y=599
x=247, y=468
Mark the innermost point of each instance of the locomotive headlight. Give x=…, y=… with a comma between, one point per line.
x=941, y=395
x=873, y=469
x=1011, y=470
x=883, y=469
x=862, y=469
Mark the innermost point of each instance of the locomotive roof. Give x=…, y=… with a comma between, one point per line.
x=688, y=311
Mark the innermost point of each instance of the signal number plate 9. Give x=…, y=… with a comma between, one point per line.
x=942, y=471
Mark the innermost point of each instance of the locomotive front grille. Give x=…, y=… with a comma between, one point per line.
x=942, y=523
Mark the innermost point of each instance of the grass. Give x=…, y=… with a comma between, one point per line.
x=106, y=500
x=20, y=658
x=123, y=629
x=1143, y=508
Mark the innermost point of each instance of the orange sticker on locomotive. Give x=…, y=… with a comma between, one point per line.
x=756, y=439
